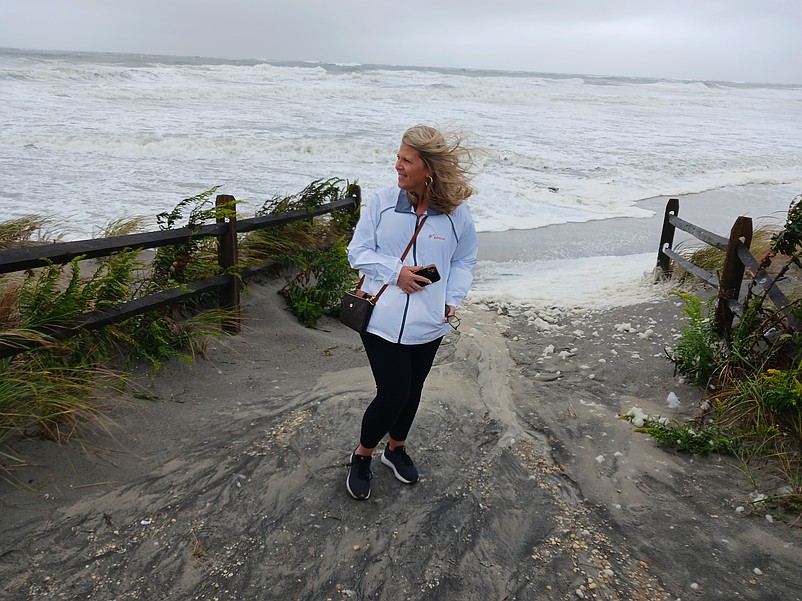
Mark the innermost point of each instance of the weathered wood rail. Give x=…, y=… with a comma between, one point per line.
x=227, y=282
x=738, y=260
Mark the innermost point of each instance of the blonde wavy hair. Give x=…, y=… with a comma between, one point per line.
x=450, y=162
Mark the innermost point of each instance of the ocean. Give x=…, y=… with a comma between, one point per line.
x=87, y=138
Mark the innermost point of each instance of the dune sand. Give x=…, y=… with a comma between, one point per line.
x=231, y=483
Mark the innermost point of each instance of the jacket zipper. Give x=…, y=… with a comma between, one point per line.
x=414, y=262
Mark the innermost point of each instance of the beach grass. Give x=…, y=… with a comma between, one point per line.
x=753, y=373
x=311, y=253
x=52, y=389
x=711, y=259
x=27, y=230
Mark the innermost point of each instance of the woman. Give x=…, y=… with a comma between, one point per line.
x=414, y=312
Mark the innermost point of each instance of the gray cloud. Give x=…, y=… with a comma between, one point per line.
x=752, y=40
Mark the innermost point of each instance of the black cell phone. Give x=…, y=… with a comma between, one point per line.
x=430, y=273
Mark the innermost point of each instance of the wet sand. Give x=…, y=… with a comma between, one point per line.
x=230, y=483
x=715, y=210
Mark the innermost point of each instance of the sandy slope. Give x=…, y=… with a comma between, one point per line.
x=231, y=484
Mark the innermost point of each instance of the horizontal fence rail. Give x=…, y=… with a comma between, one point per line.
x=19, y=259
x=719, y=242
x=227, y=283
x=738, y=260
x=94, y=320
x=768, y=283
x=700, y=273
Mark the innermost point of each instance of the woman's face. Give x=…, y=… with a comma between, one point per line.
x=412, y=171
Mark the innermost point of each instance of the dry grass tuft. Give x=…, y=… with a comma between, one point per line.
x=25, y=231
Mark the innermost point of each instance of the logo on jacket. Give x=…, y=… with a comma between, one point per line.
x=436, y=237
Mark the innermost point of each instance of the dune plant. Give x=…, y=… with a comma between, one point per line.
x=177, y=331
x=43, y=396
x=696, y=354
x=177, y=264
x=753, y=378
x=52, y=387
x=321, y=278
x=123, y=226
x=23, y=231
x=9, y=300
x=49, y=302
x=169, y=333
x=310, y=252
x=688, y=436
x=711, y=259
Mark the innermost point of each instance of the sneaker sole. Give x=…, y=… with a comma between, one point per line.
x=398, y=476
x=348, y=484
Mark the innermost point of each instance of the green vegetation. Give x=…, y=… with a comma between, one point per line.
x=177, y=331
x=753, y=377
x=53, y=388
x=696, y=353
x=310, y=252
x=23, y=231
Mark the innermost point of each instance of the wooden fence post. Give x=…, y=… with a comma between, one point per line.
x=228, y=257
x=732, y=274
x=663, y=270
x=356, y=208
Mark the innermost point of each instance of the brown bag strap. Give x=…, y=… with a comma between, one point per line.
x=403, y=256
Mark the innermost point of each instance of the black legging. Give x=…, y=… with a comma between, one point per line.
x=400, y=371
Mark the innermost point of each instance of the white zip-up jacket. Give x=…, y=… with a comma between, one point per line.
x=385, y=227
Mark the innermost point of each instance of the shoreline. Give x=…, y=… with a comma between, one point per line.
x=715, y=210
x=608, y=262
x=230, y=483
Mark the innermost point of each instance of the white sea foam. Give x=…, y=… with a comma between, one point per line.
x=587, y=282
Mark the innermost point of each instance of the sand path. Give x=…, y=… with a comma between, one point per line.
x=231, y=484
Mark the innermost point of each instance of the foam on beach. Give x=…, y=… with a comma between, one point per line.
x=586, y=282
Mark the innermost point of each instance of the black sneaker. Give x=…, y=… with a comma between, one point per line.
x=359, y=476
x=401, y=464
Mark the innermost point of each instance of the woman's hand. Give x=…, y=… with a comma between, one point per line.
x=451, y=311
x=408, y=281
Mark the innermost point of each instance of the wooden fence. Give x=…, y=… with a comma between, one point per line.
x=738, y=260
x=227, y=283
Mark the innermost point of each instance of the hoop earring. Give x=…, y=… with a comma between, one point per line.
x=429, y=181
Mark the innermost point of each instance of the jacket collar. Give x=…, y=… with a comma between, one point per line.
x=403, y=205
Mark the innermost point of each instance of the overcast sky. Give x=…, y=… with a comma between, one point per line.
x=734, y=40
